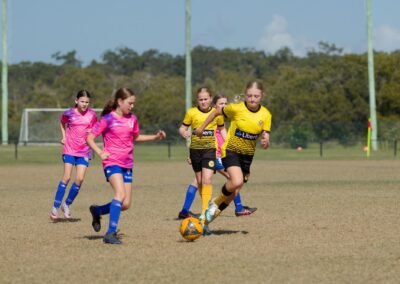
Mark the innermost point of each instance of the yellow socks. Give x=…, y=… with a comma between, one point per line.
x=206, y=192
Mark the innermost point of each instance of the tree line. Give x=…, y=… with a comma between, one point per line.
x=321, y=96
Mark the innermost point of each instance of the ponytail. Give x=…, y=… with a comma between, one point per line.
x=109, y=107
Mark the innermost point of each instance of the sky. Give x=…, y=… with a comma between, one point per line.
x=39, y=28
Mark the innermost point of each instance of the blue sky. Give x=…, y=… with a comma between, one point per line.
x=39, y=28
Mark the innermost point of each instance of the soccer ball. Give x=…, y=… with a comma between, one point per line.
x=191, y=229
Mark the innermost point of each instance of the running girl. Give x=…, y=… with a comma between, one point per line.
x=249, y=120
x=75, y=124
x=120, y=129
x=202, y=151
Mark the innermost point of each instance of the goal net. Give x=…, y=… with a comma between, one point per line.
x=42, y=125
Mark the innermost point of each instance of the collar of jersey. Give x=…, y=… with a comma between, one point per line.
x=259, y=107
x=209, y=109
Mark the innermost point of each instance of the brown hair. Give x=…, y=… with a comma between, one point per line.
x=217, y=97
x=203, y=89
x=122, y=93
x=82, y=93
x=256, y=84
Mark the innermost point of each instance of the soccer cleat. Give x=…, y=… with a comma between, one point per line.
x=183, y=215
x=206, y=230
x=245, y=211
x=66, y=210
x=212, y=212
x=111, y=238
x=95, y=219
x=54, y=214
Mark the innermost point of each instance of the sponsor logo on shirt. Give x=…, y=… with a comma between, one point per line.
x=245, y=135
x=205, y=132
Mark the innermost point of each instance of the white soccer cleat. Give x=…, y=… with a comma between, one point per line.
x=54, y=214
x=66, y=210
x=212, y=212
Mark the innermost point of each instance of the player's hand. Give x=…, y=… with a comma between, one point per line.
x=104, y=155
x=199, y=132
x=189, y=161
x=186, y=134
x=62, y=141
x=161, y=135
x=265, y=140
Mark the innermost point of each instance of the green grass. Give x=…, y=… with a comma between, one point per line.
x=51, y=154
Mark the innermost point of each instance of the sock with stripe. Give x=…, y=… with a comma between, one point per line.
x=115, y=211
x=73, y=192
x=238, y=203
x=59, y=194
x=190, y=195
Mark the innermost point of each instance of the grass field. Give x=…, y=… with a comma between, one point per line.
x=319, y=221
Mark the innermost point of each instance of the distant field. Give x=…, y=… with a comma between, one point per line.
x=318, y=221
x=162, y=152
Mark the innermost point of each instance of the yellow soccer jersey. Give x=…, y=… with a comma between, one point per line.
x=195, y=117
x=246, y=126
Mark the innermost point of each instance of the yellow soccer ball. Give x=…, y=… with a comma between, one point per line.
x=191, y=229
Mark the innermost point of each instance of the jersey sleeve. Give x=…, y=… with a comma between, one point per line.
x=93, y=121
x=220, y=120
x=187, y=120
x=99, y=127
x=228, y=110
x=64, y=117
x=136, y=128
x=267, y=122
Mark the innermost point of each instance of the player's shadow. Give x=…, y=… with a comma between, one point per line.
x=63, y=220
x=96, y=237
x=228, y=232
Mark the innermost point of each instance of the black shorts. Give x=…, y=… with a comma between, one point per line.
x=238, y=160
x=202, y=158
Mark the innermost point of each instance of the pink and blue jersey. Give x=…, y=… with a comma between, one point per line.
x=220, y=142
x=118, y=134
x=78, y=125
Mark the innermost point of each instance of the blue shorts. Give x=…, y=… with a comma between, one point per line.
x=218, y=164
x=126, y=173
x=74, y=160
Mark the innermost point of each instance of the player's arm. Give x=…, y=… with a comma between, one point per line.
x=62, y=128
x=265, y=139
x=146, y=138
x=184, y=131
x=209, y=119
x=90, y=141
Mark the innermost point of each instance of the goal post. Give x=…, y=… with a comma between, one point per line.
x=41, y=125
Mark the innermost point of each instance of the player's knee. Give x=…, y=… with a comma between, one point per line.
x=78, y=181
x=66, y=179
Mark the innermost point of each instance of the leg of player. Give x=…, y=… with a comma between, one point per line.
x=61, y=190
x=224, y=198
x=74, y=190
x=190, y=195
x=206, y=193
x=117, y=183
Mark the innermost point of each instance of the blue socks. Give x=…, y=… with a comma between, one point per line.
x=115, y=211
x=73, y=192
x=59, y=194
x=238, y=203
x=103, y=209
x=190, y=195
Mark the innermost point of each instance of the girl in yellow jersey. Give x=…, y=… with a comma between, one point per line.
x=249, y=120
x=203, y=151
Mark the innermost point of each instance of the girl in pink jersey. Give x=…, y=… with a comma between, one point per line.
x=75, y=123
x=120, y=129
